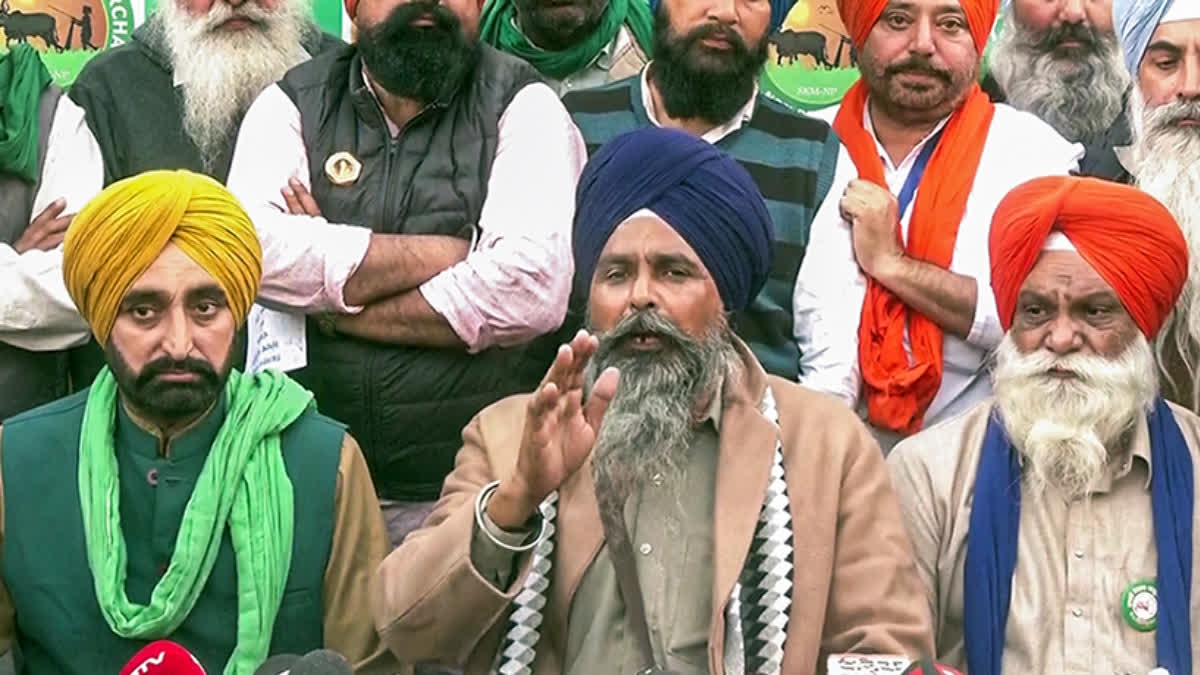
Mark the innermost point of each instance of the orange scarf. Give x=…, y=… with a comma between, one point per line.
x=898, y=392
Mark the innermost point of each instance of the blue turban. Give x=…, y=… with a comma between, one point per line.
x=1136, y=20
x=700, y=191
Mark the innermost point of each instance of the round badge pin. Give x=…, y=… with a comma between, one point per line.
x=1139, y=605
x=342, y=168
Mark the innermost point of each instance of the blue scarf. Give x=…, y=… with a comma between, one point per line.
x=992, y=545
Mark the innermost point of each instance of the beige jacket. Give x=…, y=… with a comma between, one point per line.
x=856, y=586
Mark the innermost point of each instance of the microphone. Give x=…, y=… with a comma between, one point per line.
x=163, y=657
x=322, y=662
x=883, y=664
x=279, y=664
x=319, y=662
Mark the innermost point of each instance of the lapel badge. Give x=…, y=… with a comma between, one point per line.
x=342, y=168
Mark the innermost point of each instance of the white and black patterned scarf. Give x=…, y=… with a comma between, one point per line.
x=756, y=618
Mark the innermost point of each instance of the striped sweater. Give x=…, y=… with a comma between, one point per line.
x=790, y=156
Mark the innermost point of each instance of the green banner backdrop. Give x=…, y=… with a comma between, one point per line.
x=70, y=32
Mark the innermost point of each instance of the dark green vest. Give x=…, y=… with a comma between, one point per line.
x=59, y=627
x=407, y=405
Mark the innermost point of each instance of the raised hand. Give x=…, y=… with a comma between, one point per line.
x=560, y=431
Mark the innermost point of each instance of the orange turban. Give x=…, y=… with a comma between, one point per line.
x=121, y=232
x=1130, y=239
x=899, y=390
x=859, y=17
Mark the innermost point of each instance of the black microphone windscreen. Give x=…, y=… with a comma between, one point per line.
x=280, y=663
x=322, y=662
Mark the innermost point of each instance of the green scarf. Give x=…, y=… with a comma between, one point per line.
x=497, y=27
x=23, y=77
x=243, y=483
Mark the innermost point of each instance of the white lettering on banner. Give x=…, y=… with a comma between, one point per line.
x=275, y=340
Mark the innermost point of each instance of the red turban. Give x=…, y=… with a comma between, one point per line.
x=897, y=390
x=859, y=17
x=1130, y=239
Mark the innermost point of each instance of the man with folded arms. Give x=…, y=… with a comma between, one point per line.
x=1054, y=524
x=696, y=514
x=177, y=498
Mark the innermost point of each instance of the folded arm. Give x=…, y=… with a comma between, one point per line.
x=310, y=264
x=36, y=313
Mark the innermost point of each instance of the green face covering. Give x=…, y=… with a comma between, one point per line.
x=23, y=78
x=497, y=28
x=243, y=484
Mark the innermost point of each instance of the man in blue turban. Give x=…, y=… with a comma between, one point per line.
x=1161, y=43
x=655, y=502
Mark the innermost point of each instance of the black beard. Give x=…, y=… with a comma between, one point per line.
x=424, y=64
x=699, y=83
x=166, y=402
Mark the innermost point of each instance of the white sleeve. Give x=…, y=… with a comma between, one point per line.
x=828, y=299
x=36, y=313
x=306, y=260
x=516, y=281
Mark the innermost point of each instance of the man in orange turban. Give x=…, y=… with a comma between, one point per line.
x=896, y=299
x=1065, y=506
x=177, y=498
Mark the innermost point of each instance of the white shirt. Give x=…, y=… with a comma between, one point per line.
x=36, y=313
x=831, y=287
x=515, y=282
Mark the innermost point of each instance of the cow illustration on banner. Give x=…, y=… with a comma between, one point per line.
x=70, y=32
x=811, y=61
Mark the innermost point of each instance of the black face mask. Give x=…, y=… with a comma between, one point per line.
x=697, y=82
x=422, y=63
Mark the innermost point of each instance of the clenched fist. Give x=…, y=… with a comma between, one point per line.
x=560, y=431
x=873, y=215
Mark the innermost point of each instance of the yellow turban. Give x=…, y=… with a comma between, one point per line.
x=122, y=231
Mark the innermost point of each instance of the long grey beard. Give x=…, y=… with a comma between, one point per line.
x=650, y=423
x=222, y=72
x=1079, y=98
x=1166, y=160
x=1066, y=428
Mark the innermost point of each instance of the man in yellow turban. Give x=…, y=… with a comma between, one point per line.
x=178, y=498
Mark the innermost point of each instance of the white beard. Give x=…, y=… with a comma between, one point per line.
x=222, y=72
x=1080, y=99
x=1166, y=161
x=1065, y=428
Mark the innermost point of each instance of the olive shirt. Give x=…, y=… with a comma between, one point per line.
x=1074, y=559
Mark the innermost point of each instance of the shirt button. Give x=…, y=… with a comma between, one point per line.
x=152, y=477
x=1077, y=612
x=1079, y=554
x=657, y=479
x=646, y=549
